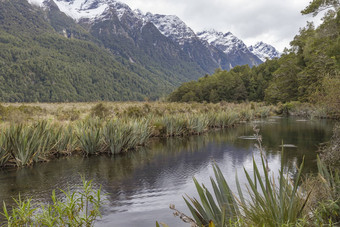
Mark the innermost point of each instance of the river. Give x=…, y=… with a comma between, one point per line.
x=142, y=184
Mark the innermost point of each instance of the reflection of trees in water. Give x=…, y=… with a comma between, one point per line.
x=305, y=135
x=166, y=161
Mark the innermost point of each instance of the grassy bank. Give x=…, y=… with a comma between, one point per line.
x=34, y=133
x=308, y=110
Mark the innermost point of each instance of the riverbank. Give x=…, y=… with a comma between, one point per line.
x=32, y=133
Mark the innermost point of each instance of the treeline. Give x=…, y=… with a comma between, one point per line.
x=307, y=72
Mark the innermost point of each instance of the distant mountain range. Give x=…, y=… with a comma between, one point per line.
x=117, y=53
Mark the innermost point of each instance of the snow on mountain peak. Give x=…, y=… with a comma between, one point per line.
x=264, y=51
x=226, y=42
x=37, y=2
x=89, y=9
x=171, y=26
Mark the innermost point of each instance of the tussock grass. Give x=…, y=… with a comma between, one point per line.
x=33, y=133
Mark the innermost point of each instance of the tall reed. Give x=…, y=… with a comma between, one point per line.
x=117, y=136
x=120, y=136
x=4, y=154
x=197, y=124
x=27, y=144
x=89, y=136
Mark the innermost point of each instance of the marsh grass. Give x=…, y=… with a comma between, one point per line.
x=89, y=136
x=49, y=130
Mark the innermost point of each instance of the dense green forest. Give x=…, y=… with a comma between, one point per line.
x=307, y=72
x=46, y=56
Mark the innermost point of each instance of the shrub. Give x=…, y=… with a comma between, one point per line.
x=80, y=208
x=100, y=110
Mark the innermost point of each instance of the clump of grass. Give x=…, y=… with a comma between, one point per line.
x=80, y=208
x=197, y=124
x=27, y=144
x=327, y=210
x=120, y=136
x=100, y=110
x=23, y=144
x=65, y=139
x=68, y=115
x=89, y=136
x=4, y=154
x=174, y=125
x=272, y=203
x=141, y=132
x=116, y=136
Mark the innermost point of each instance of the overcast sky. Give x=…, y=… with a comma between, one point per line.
x=273, y=21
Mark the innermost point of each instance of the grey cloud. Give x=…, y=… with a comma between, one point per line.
x=272, y=21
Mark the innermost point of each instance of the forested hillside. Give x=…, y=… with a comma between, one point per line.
x=308, y=72
x=45, y=56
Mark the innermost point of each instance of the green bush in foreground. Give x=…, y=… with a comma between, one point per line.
x=80, y=208
x=269, y=202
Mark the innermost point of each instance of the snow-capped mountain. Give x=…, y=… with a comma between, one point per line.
x=171, y=26
x=226, y=42
x=232, y=46
x=264, y=51
x=88, y=9
x=116, y=24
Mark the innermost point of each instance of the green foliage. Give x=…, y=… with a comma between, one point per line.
x=80, y=208
x=238, y=84
x=271, y=203
x=45, y=56
x=27, y=144
x=307, y=72
x=330, y=154
x=122, y=136
x=328, y=210
x=317, y=6
x=89, y=136
x=34, y=140
x=100, y=110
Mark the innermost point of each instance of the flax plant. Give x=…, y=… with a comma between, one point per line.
x=28, y=143
x=89, y=136
x=4, y=154
x=197, y=124
x=117, y=136
x=141, y=132
x=174, y=125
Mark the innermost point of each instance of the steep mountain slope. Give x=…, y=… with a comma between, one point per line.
x=83, y=50
x=37, y=63
x=208, y=56
x=236, y=51
x=125, y=34
x=192, y=50
x=264, y=51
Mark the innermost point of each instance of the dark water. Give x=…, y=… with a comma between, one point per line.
x=142, y=184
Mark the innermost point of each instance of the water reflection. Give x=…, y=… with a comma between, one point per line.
x=142, y=184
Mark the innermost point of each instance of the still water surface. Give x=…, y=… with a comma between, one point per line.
x=142, y=184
